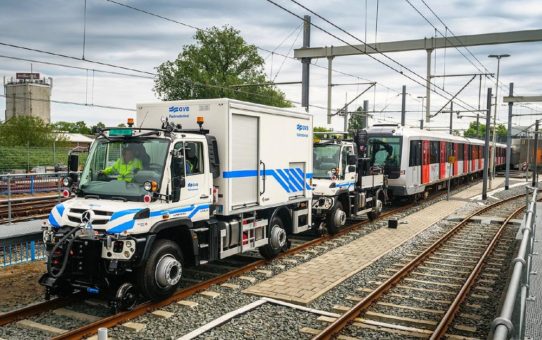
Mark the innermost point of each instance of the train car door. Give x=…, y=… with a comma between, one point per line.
x=442, y=160
x=473, y=158
x=414, y=170
x=426, y=163
x=455, y=154
x=465, y=158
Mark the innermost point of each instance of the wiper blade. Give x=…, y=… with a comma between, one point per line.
x=119, y=198
x=92, y=196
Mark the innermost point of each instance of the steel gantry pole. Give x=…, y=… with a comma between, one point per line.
x=403, y=106
x=509, y=140
x=494, y=140
x=451, y=117
x=329, y=88
x=366, y=116
x=305, y=62
x=486, y=145
x=428, y=87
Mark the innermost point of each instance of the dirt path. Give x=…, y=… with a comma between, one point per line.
x=19, y=285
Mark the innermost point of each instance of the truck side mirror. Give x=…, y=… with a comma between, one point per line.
x=73, y=163
x=352, y=160
x=177, y=176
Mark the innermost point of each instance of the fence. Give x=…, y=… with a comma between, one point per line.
x=511, y=321
x=23, y=185
x=37, y=159
x=22, y=249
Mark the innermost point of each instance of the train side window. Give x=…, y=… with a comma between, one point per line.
x=460, y=152
x=435, y=152
x=415, y=158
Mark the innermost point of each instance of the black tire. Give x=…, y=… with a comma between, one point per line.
x=278, y=240
x=147, y=283
x=331, y=222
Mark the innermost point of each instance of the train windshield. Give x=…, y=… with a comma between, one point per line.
x=385, y=151
x=119, y=168
x=325, y=159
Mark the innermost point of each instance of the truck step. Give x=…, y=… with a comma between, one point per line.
x=199, y=230
x=203, y=245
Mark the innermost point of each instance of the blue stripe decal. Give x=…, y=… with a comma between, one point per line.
x=281, y=178
x=298, y=185
x=307, y=186
x=121, y=213
x=309, y=175
x=278, y=179
x=122, y=227
x=345, y=184
x=239, y=173
x=171, y=211
x=198, y=208
x=60, y=209
x=286, y=179
x=52, y=221
x=299, y=178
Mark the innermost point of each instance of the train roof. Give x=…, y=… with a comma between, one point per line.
x=397, y=130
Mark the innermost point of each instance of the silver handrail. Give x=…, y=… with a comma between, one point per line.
x=511, y=321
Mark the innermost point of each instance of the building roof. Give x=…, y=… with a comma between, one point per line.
x=75, y=137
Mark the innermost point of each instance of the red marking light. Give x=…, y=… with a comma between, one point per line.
x=147, y=198
x=66, y=193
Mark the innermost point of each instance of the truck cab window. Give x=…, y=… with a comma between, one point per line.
x=193, y=157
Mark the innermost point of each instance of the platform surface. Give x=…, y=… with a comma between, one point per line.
x=533, y=320
x=20, y=228
x=308, y=281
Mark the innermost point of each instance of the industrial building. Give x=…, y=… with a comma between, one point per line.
x=28, y=95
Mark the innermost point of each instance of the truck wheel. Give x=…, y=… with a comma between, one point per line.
x=373, y=215
x=336, y=218
x=161, y=273
x=277, y=239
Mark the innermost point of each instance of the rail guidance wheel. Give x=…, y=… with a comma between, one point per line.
x=278, y=239
x=336, y=218
x=161, y=273
x=373, y=215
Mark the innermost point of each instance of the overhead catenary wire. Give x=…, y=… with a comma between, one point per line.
x=271, y=52
x=459, y=102
x=68, y=102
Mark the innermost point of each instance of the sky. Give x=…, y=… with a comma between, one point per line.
x=124, y=37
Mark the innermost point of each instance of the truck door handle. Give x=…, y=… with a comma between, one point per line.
x=263, y=179
x=204, y=196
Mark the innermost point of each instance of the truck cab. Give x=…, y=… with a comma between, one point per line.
x=344, y=184
x=153, y=200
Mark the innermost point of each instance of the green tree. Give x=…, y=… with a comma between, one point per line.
x=357, y=120
x=94, y=128
x=213, y=66
x=475, y=131
x=26, y=131
x=77, y=127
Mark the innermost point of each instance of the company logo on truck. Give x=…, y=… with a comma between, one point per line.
x=176, y=111
x=192, y=186
x=302, y=130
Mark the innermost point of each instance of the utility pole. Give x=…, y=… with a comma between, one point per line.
x=451, y=116
x=422, y=98
x=403, y=107
x=499, y=56
x=509, y=139
x=486, y=145
x=329, y=88
x=428, y=87
x=305, y=63
x=535, y=151
x=346, y=114
x=366, y=116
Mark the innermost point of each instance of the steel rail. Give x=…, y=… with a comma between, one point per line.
x=341, y=322
x=450, y=314
x=34, y=309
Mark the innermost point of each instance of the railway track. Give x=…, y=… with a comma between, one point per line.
x=23, y=209
x=423, y=296
x=199, y=280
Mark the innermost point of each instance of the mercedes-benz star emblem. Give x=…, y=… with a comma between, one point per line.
x=87, y=216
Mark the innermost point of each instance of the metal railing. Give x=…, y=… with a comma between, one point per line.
x=22, y=249
x=17, y=189
x=511, y=321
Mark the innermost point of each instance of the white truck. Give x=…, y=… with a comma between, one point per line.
x=344, y=184
x=193, y=181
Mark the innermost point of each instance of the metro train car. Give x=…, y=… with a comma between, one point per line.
x=416, y=161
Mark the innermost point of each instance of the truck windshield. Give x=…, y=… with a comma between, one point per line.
x=385, y=151
x=325, y=158
x=118, y=168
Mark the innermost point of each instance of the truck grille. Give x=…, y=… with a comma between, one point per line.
x=101, y=217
